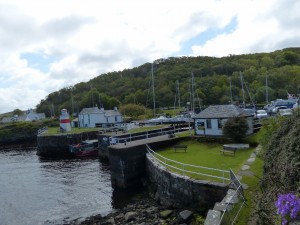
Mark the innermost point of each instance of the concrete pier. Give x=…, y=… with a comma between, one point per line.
x=128, y=160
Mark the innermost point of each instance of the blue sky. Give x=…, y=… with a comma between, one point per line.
x=38, y=61
x=49, y=45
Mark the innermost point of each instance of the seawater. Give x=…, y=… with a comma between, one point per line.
x=34, y=190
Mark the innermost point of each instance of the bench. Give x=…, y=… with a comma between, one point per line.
x=229, y=150
x=180, y=147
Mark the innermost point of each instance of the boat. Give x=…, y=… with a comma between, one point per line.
x=85, y=148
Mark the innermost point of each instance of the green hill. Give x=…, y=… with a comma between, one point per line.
x=211, y=76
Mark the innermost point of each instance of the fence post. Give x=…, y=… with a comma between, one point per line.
x=223, y=177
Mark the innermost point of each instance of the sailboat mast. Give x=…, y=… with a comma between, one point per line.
x=178, y=89
x=243, y=89
x=230, y=90
x=193, y=92
x=177, y=93
x=153, y=90
x=267, y=94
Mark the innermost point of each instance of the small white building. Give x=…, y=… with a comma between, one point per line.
x=211, y=120
x=31, y=115
x=95, y=117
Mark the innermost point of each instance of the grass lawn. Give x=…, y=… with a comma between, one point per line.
x=55, y=130
x=206, y=155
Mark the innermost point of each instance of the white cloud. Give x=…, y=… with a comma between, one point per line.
x=84, y=39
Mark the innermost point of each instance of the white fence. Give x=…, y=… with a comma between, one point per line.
x=188, y=169
x=147, y=134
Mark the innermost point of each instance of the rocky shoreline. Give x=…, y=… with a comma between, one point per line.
x=145, y=210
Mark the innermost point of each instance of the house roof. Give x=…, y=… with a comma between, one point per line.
x=93, y=110
x=221, y=111
x=112, y=113
x=96, y=110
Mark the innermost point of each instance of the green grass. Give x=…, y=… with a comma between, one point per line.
x=252, y=192
x=206, y=155
x=76, y=130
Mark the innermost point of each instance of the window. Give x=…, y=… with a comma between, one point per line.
x=89, y=119
x=208, y=124
x=220, y=124
x=200, y=126
x=116, y=118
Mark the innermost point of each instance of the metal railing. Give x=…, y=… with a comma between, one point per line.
x=232, y=209
x=146, y=134
x=184, y=168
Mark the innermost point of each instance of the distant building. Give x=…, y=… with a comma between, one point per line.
x=95, y=117
x=29, y=115
x=210, y=121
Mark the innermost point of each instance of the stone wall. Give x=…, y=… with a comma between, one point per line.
x=58, y=145
x=128, y=162
x=177, y=190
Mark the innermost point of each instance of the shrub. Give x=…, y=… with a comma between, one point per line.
x=236, y=128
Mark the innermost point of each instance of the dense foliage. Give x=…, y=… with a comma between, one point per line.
x=281, y=166
x=212, y=78
x=23, y=131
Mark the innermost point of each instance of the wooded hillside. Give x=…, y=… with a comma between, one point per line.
x=212, y=82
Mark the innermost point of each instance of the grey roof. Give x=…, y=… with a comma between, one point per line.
x=112, y=113
x=93, y=110
x=221, y=111
x=96, y=110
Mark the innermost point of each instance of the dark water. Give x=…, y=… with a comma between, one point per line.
x=34, y=190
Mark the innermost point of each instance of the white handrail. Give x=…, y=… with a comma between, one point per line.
x=147, y=134
x=154, y=154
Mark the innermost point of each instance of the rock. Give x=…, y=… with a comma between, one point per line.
x=129, y=216
x=245, y=167
x=184, y=216
x=165, y=213
x=151, y=210
x=111, y=221
x=213, y=217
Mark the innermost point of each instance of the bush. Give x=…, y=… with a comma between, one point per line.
x=236, y=128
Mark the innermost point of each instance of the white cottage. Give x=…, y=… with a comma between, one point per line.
x=211, y=120
x=95, y=117
x=31, y=115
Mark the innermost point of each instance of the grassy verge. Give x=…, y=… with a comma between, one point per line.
x=205, y=155
x=251, y=194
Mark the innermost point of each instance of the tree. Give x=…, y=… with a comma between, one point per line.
x=133, y=110
x=236, y=128
x=17, y=112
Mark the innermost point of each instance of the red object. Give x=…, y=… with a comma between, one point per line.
x=85, y=148
x=86, y=153
x=65, y=121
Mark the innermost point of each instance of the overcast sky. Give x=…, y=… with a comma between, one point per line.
x=48, y=45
